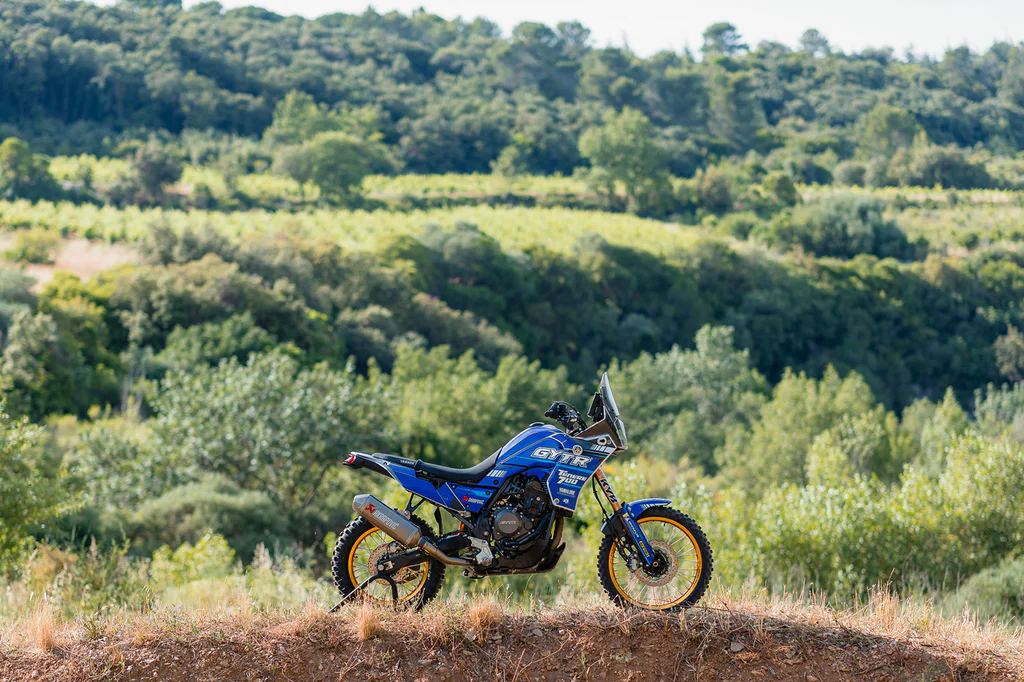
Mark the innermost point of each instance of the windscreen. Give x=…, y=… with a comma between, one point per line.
x=611, y=410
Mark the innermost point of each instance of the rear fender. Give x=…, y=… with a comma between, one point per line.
x=405, y=476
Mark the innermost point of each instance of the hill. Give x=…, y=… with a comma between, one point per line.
x=451, y=95
x=477, y=640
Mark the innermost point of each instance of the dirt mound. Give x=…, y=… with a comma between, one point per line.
x=483, y=641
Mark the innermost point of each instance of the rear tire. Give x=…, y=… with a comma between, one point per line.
x=675, y=534
x=352, y=564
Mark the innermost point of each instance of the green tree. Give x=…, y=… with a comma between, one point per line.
x=774, y=450
x=736, y=114
x=722, y=38
x=510, y=163
x=41, y=374
x=884, y=130
x=680, y=404
x=298, y=118
x=625, y=152
x=781, y=187
x=270, y=425
x=815, y=44
x=948, y=422
x=24, y=175
x=714, y=191
x=1009, y=350
x=153, y=168
x=436, y=391
x=29, y=493
x=335, y=162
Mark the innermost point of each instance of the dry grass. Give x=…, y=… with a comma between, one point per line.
x=42, y=630
x=883, y=615
x=585, y=637
x=484, y=614
x=368, y=622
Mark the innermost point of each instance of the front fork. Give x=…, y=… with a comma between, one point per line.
x=622, y=521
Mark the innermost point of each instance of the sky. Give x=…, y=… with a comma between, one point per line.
x=647, y=26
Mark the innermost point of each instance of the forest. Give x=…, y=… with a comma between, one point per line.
x=238, y=245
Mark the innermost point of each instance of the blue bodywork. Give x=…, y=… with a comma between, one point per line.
x=562, y=463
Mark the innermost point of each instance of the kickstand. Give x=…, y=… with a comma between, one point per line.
x=362, y=585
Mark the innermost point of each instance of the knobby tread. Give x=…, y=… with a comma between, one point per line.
x=707, y=559
x=346, y=545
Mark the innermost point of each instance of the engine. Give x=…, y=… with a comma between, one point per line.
x=517, y=512
x=518, y=519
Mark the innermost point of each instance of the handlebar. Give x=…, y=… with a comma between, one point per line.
x=567, y=415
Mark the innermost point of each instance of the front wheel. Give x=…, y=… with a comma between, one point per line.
x=683, y=573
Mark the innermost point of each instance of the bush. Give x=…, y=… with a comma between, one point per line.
x=211, y=342
x=28, y=494
x=714, y=193
x=842, y=226
x=739, y=225
x=38, y=246
x=850, y=173
x=996, y=592
x=932, y=165
x=270, y=425
x=845, y=531
x=209, y=557
x=24, y=175
x=215, y=504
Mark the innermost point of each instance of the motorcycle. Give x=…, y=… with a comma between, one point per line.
x=511, y=509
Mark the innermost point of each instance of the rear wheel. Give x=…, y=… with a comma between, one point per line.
x=682, y=571
x=359, y=548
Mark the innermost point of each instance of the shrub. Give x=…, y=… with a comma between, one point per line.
x=845, y=532
x=996, y=592
x=38, y=246
x=28, y=494
x=842, y=226
x=211, y=342
x=24, y=175
x=85, y=579
x=244, y=518
x=209, y=557
x=850, y=173
x=931, y=165
x=739, y=225
x=714, y=193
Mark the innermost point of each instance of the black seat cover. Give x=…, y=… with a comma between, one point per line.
x=470, y=475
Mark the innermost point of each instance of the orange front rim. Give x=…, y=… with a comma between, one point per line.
x=671, y=537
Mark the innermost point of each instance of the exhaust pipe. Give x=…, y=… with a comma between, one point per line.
x=400, y=528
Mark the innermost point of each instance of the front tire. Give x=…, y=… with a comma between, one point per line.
x=356, y=553
x=683, y=546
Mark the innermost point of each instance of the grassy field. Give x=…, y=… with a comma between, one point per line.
x=515, y=228
x=948, y=219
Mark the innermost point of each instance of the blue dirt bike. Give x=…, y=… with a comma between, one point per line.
x=511, y=509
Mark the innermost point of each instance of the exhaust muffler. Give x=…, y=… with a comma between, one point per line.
x=400, y=528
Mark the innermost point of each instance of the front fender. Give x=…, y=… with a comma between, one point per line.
x=636, y=507
x=633, y=509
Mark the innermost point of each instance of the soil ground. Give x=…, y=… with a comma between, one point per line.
x=474, y=642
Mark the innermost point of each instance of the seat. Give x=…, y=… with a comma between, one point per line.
x=470, y=475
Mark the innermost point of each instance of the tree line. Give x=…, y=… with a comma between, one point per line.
x=458, y=96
